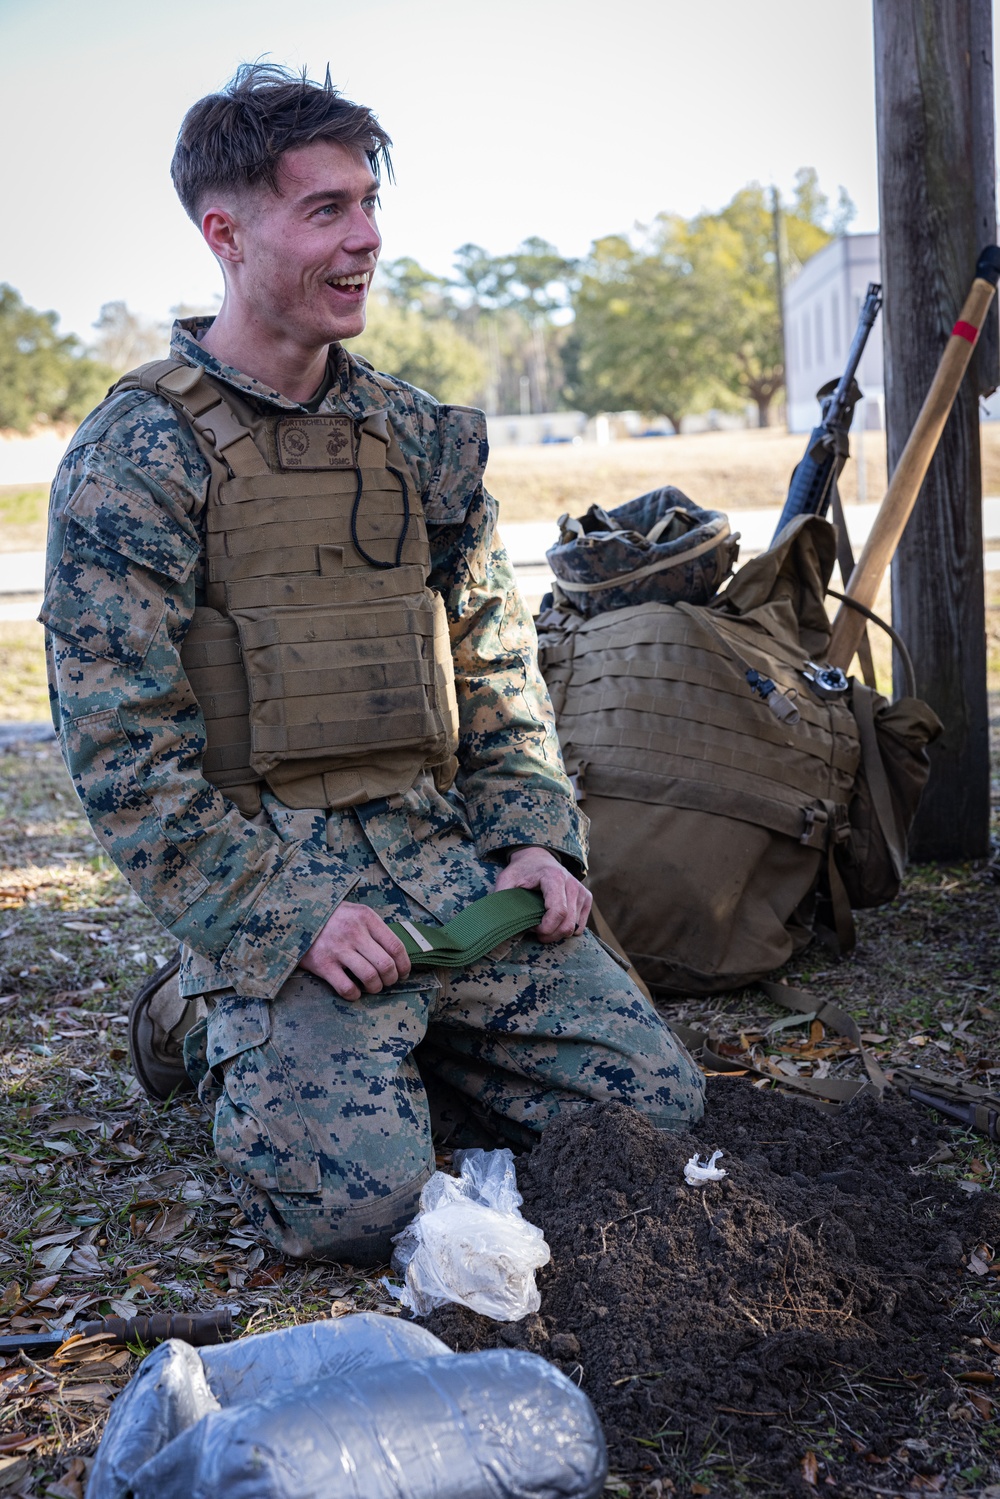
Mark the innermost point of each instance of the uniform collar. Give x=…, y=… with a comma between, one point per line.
x=356, y=388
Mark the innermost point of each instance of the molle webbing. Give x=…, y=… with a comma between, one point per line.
x=654, y=708
x=319, y=656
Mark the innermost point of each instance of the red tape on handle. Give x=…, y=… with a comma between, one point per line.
x=966, y=331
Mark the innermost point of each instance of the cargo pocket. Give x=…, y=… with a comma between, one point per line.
x=107, y=593
x=260, y=1134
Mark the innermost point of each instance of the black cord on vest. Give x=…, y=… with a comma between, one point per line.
x=373, y=561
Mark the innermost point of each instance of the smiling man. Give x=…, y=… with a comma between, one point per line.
x=297, y=692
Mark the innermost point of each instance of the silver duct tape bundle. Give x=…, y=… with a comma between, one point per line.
x=363, y=1407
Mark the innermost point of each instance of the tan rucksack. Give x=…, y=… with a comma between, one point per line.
x=738, y=806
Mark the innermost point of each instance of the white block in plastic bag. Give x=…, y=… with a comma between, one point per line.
x=469, y=1243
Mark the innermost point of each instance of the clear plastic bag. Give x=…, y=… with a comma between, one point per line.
x=469, y=1243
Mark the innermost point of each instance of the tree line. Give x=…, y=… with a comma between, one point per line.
x=677, y=317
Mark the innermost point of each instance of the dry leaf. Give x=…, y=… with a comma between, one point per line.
x=143, y=1283
x=810, y=1469
x=268, y=1277
x=700, y=1488
x=40, y=1288
x=123, y=1148
x=174, y=1176
x=88, y=1394
x=170, y=1224
x=983, y=1404
x=79, y=1122
x=81, y=1350
x=56, y=1257
x=63, y=1237
x=13, y=1470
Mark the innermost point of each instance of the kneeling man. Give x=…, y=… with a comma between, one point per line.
x=298, y=695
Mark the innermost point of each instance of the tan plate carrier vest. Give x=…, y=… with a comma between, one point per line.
x=320, y=658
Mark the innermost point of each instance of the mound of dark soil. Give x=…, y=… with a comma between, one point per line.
x=809, y=1292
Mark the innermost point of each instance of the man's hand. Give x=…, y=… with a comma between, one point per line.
x=356, y=947
x=567, y=902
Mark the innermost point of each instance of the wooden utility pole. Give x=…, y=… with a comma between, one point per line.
x=937, y=193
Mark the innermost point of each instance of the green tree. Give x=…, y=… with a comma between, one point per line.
x=44, y=375
x=688, y=317
x=426, y=351
x=125, y=340
x=539, y=283
x=414, y=289
x=639, y=335
x=732, y=258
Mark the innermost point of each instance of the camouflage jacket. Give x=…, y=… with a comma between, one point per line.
x=124, y=571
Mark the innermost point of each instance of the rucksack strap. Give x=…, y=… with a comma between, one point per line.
x=829, y=1092
x=862, y=701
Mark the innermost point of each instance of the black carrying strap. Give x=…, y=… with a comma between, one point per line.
x=845, y=560
x=965, y=1103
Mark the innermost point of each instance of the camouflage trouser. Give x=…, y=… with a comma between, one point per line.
x=323, y=1107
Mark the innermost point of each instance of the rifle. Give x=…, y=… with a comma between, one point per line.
x=914, y=461
x=815, y=477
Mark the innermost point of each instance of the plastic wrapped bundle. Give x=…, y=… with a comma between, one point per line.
x=658, y=549
x=364, y=1407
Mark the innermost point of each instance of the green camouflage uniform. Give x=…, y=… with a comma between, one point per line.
x=321, y=1112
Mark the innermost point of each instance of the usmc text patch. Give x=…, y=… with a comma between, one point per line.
x=315, y=442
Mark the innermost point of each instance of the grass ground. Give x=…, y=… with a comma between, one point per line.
x=22, y=517
x=719, y=470
x=109, y=1203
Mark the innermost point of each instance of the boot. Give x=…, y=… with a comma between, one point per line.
x=159, y=1018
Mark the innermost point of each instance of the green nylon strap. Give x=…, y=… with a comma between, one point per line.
x=473, y=932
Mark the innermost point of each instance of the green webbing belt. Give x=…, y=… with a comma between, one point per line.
x=473, y=932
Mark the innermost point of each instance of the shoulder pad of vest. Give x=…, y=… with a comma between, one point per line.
x=147, y=376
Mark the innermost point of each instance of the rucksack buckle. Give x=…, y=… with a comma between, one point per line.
x=815, y=827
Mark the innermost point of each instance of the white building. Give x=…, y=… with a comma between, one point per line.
x=821, y=313
x=539, y=426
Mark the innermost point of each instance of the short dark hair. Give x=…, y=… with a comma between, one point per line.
x=237, y=137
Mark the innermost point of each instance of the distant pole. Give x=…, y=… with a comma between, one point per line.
x=933, y=68
x=779, y=277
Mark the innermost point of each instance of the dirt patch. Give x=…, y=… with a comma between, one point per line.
x=787, y=1318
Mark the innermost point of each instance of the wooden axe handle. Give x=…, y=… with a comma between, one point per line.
x=911, y=470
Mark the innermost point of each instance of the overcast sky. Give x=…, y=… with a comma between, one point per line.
x=569, y=119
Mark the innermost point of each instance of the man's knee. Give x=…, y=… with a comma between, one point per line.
x=644, y=1064
x=319, y=1226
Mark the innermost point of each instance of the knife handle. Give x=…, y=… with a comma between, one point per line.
x=200, y=1330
